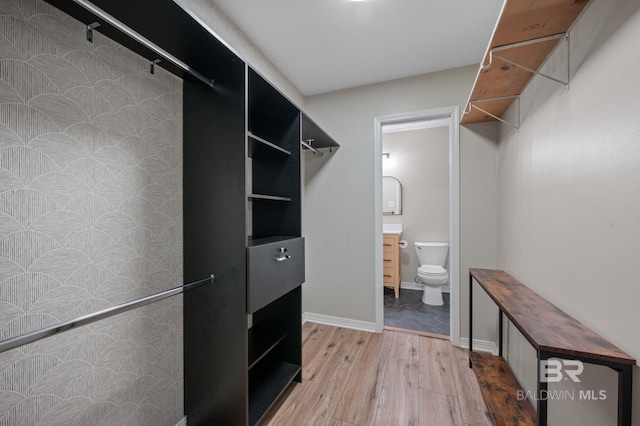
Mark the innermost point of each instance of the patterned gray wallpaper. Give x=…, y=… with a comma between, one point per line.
x=90, y=217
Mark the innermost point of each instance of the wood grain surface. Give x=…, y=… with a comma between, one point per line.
x=545, y=326
x=358, y=378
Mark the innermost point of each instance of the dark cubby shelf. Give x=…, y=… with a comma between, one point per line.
x=262, y=148
x=264, y=197
x=262, y=341
x=254, y=242
x=265, y=387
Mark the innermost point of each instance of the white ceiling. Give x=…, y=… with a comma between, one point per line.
x=326, y=45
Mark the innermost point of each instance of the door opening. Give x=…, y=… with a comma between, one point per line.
x=447, y=120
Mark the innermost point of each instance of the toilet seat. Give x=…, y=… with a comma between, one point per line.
x=432, y=270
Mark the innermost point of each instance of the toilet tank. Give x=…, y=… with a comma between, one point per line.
x=430, y=253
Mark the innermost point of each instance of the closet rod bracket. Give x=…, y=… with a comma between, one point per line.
x=307, y=144
x=152, y=65
x=110, y=20
x=565, y=36
x=90, y=28
x=472, y=104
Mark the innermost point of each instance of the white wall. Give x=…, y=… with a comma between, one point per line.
x=419, y=159
x=339, y=196
x=478, y=223
x=569, y=198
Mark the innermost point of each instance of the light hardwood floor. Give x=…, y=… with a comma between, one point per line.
x=353, y=377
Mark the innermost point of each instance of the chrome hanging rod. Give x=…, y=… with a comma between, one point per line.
x=307, y=145
x=34, y=336
x=139, y=38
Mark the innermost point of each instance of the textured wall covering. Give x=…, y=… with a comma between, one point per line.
x=90, y=217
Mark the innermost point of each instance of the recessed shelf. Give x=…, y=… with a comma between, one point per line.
x=261, y=342
x=268, y=197
x=267, y=386
x=257, y=146
x=254, y=242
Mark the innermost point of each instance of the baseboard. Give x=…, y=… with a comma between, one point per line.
x=480, y=345
x=415, y=286
x=339, y=322
x=410, y=286
x=182, y=422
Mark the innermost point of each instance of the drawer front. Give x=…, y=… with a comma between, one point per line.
x=390, y=243
x=273, y=270
x=388, y=276
x=388, y=247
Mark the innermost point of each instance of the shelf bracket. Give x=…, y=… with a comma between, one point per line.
x=307, y=144
x=492, y=54
x=471, y=105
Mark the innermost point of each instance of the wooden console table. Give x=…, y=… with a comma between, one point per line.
x=553, y=334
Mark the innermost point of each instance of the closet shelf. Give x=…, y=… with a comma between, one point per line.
x=314, y=138
x=526, y=33
x=268, y=197
x=267, y=385
x=259, y=143
x=261, y=342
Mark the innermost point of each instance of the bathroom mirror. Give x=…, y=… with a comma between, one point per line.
x=391, y=196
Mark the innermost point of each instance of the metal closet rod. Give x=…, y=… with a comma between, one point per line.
x=139, y=38
x=34, y=336
x=307, y=145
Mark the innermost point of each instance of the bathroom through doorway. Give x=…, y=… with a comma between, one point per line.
x=417, y=196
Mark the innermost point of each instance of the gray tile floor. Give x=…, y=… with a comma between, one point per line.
x=410, y=313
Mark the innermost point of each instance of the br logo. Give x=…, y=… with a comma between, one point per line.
x=555, y=370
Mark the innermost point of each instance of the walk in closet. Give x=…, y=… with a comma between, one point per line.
x=241, y=210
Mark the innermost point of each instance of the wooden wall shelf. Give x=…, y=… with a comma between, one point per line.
x=498, y=85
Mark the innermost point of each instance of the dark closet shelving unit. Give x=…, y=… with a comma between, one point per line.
x=241, y=208
x=275, y=248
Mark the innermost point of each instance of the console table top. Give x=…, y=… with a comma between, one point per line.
x=545, y=326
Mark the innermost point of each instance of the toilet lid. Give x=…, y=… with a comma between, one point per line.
x=432, y=270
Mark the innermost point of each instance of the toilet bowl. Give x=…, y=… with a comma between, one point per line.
x=431, y=273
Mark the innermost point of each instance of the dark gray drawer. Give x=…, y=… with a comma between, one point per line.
x=275, y=266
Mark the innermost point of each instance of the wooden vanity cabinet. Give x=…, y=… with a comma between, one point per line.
x=391, y=262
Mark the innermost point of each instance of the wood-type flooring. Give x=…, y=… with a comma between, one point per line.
x=352, y=377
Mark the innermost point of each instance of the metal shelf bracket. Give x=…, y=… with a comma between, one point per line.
x=472, y=104
x=307, y=144
x=565, y=36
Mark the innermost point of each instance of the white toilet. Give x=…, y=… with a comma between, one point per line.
x=431, y=273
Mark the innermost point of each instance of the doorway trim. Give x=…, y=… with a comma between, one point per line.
x=452, y=113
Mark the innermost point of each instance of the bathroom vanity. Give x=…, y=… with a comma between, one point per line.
x=391, y=262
